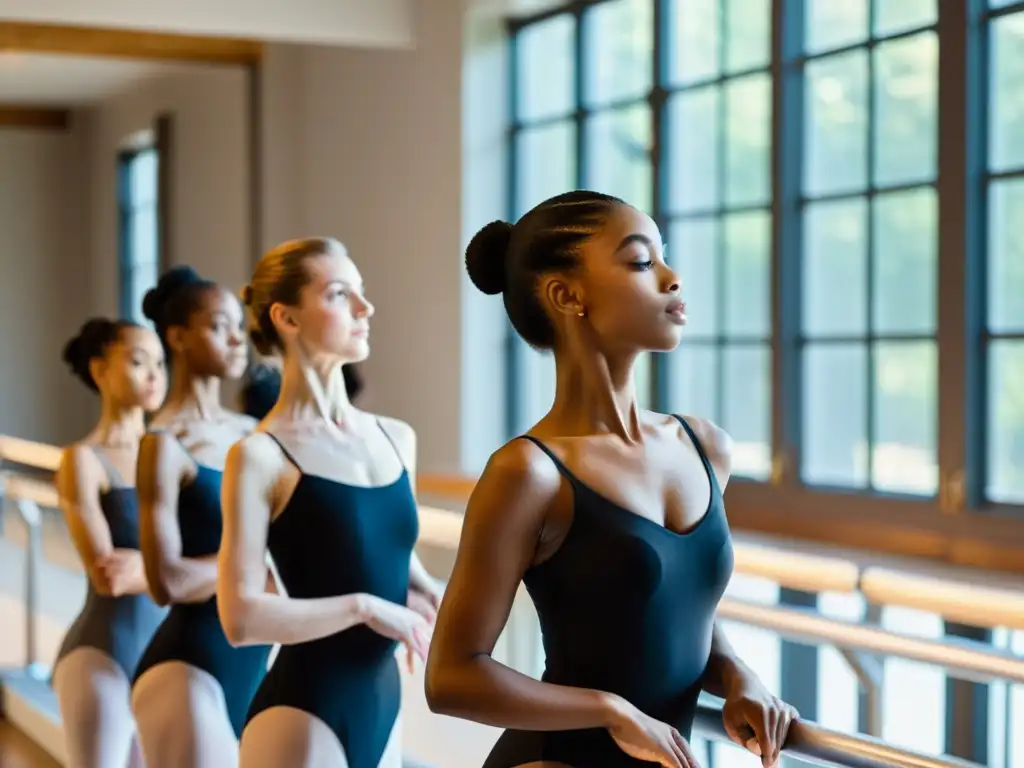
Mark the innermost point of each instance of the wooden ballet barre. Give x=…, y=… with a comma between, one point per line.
x=967, y=660
x=20, y=488
x=1000, y=604
x=29, y=453
x=821, y=746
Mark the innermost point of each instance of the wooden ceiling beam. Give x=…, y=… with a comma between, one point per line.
x=16, y=36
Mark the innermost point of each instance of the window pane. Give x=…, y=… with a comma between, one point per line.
x=693, y=381
x=140, y=280
x=748, y=34
x=916, y=721
x=143, y=232
x=693, y=252
x=694, y=45
x=905, y=262
x=838, y=688
x=142, y=173
x=535, y=379
x=832, y=24
x=748, y=242
x=692, y=146
x=835, y=268
x=748, y=106
x=1005, y=481
x=895, y=16
x=835, y=415
x=906, y=104
x=619, y=154
x=1005, y=295
x=747, y=408
x=1006, y=102
x=905, y=418
x=546, y=68
x=836, y=124
x=620, y=50
x=545, y=163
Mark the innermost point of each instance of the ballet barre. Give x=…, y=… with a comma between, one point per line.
x=28, y=496
x=965, y=659
x=821, y=746
x=29, y=453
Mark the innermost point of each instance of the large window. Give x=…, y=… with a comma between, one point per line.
x=850, y=253
x=139, y=229
x=840, y=184
x=1003, y=327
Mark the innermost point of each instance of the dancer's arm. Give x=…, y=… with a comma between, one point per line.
x=250, y=614
x=80, y=479
x=172, y=578
x=503, y=524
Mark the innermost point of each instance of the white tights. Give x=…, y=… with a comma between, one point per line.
x=284, y=737
x=94, y=694
x=183, y=719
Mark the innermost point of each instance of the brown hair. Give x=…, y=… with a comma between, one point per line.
x=278, y=278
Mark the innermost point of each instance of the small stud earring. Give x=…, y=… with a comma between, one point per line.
x=582, y=313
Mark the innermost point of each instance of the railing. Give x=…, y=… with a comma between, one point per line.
x=821, y=746
x=27, y=496
x=965, y=598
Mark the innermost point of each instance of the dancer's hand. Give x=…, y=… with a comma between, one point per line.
x=645, y=738
x=756, y=720
x=423, y=604
x=399, y=623
x=119, y=571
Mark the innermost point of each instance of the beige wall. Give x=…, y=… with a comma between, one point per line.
x=44, y=256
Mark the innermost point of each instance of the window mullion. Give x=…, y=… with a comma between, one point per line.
x=787, y=164
x=957, y=240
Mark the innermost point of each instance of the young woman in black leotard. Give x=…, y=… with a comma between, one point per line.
x=124, y=364
x=611, y=515
x=192, y=689
x=329, y=490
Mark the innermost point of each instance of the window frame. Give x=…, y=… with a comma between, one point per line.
x=127, y=208
x=957, y=525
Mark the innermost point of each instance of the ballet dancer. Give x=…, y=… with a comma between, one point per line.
x=124, y=364
x=192, y=688
x=329, y=489
x=612, y=516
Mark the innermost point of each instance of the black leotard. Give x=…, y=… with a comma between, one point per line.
x=119, y=626
x=337, y=539
x=192, y=632
x=626, y=606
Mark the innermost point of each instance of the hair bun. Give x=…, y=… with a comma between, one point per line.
x=170, y=282
x=486, y=257
x=247, y=294
x=89, y=343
